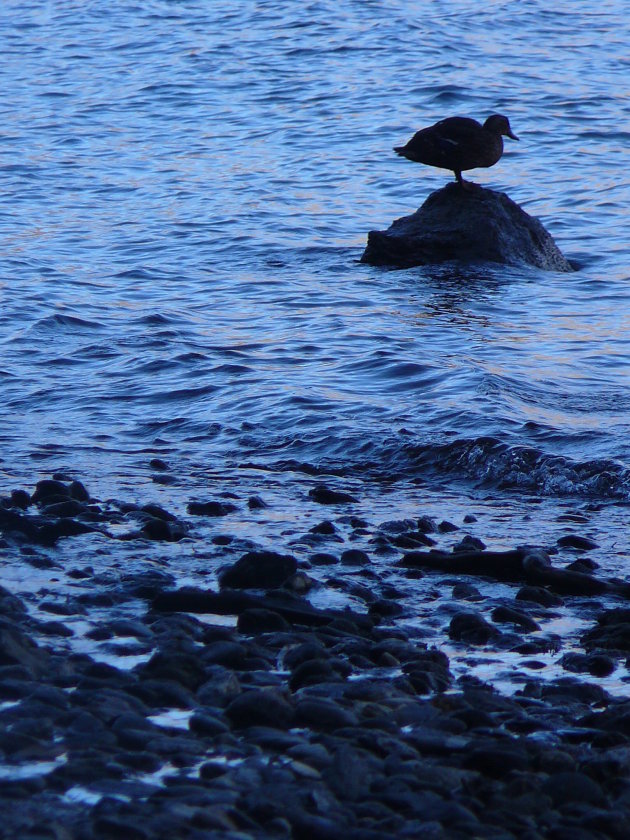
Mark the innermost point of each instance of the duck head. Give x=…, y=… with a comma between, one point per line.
x=498, y=124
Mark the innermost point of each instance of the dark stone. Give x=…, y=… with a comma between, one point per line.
x=511, y=616
x=206, y=725
x=354, y=557
x=326, y=496
x=221, y=688
x=255, y=621
x=472, y=628
x=322, y=713
x=49, y=489
x=466, y=592
x=311, y=672
x=577, y=542
x=181, y=667
x=574, y=787
x=533, y=567
x=322, y=558
x=79, y=491
x=326, y=528
x=16, y=648
x=211, y=508
x=580, y=663
x=497, y=760
x=69, y=507
x=258, y=570
x=20, y=498
x=470, y=225
x=260, y=707
x=612, y=631
x=538, y=595
x=469, y=543
x=230, y=602
x=385, y=608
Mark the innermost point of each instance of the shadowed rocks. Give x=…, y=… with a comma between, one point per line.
x=470, y=225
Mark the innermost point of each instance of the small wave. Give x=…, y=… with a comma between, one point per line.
x=490, y=462
x=485, y=462
x=66, y=323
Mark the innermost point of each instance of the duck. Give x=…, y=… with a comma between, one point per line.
x=459, y=143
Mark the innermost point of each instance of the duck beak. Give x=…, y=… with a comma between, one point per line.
x=512, y=135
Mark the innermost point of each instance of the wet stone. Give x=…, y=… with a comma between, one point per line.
x=577, y=542
x=325, y=495
x=511, y=616
x=258, y=570
x=260, y=707
x=539, y=595
x=471, y=628
x=355, y=557
x=211, y=508
x=254, y=621
x=322, y=558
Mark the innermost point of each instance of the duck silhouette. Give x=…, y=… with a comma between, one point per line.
x=459, y=143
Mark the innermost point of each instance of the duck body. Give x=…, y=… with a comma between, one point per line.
x=459, y=144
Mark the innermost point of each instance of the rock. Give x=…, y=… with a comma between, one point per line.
x=580, y=663
x=471, y=225
x=258, y=570
x=322, y=713
x=20, y=498
x=578, y=542
x=261, y=621
x=354, y=557
x=538, y=595
x=323, y=558
x=210, y=508
x=511, y=616
x=325, y=496
x=472, y=628
x=260, y=707
x=48, y=489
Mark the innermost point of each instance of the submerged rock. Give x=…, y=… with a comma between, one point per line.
x=472, y=225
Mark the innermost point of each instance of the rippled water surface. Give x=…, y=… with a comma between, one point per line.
x=186, y=192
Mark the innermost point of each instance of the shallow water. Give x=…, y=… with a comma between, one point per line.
x=186, y=193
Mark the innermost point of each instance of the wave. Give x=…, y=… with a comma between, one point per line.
x=482, y=463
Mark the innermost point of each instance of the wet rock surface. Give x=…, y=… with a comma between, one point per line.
x=240, y=709
x=470, y=225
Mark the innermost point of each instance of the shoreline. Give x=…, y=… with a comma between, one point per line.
x=245, y=710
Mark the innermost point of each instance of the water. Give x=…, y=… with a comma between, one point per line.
x=186, y=192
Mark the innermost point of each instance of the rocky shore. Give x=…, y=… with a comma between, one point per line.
x=250, y=712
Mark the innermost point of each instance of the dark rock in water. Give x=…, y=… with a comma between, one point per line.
x=577, y=542
x=261, y=621
x=258, y=570
x=260, y=707
x=471, y=225
x=326, y=496
x=538, y=595
x=20, y=498
x=581, y=663
x=211, y=508
x=355, y=557
x=511, y=616
x=48, y=489
x=472, y=628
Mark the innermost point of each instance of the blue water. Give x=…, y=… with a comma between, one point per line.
x=186, y=190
